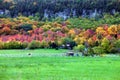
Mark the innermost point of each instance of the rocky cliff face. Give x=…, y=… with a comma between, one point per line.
x=60, y=8
x=67, y=13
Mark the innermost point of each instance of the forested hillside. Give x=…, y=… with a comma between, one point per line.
x=58, y=8
x=32, y=24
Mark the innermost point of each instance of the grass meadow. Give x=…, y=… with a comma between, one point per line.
x=55, y=67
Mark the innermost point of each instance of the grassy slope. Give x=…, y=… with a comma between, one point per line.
x=59, y=68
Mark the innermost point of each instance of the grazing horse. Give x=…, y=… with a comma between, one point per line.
x=29, y=54
x=70, y=54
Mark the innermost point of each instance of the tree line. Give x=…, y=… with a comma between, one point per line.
x=31, y=7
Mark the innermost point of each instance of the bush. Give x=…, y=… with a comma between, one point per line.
x=12, y=45
x=1, y=45
x=117, y=45
x=98, y=50
x=25, y=27
x=105, y=44
x=44, y=44
x=69, y=43
x=24, y=45
x=79, y=48
x=34, y=45
x=90, y=51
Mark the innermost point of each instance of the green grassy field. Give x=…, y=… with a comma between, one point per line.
x=51, y=51
x=57, y=67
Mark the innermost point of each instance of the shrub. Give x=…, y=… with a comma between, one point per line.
x=79, y=48
x=105, y=44
x=25, y=27
x=112, y=49
x=98, y=50
x=12, y=45
x=69, y=43
x=6, y=30
x=1, y=45
x=24, y=45
x=117, y=45
x=90, y=51
x=34, y=45
x=44, y=44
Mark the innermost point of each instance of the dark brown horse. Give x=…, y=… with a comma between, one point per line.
x=70, y=54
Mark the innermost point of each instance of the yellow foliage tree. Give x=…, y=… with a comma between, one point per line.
x=112, y=29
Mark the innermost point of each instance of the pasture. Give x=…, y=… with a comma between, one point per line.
x=18, y=65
